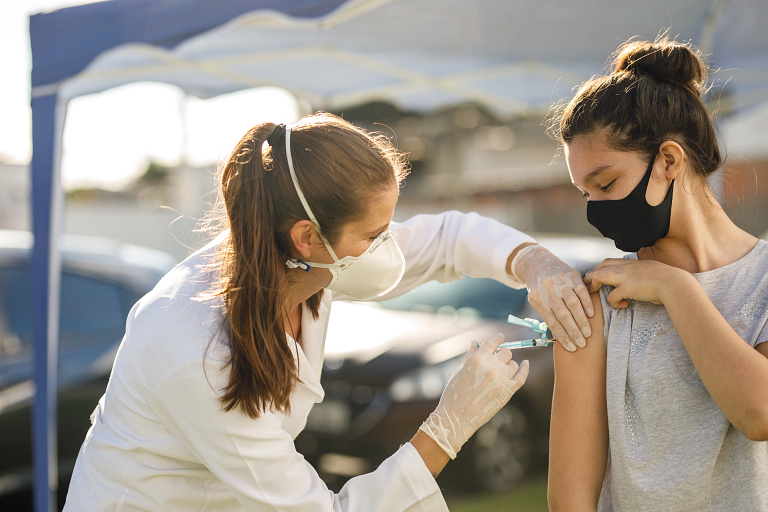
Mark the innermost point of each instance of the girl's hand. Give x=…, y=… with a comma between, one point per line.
x=643, y=280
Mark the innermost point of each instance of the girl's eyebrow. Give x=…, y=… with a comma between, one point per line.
x=592, y=176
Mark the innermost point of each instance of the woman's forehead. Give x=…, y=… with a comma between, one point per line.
x=381, y=207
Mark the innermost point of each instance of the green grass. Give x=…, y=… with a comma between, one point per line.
x=530, y=496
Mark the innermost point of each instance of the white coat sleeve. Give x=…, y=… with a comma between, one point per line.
x=257, y=460
x=446, y=246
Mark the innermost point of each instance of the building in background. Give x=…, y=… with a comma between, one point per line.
x=462, y=158
x=14, y=196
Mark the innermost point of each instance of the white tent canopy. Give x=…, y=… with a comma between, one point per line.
x=514, y=57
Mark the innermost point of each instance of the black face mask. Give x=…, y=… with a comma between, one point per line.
x=631, y=222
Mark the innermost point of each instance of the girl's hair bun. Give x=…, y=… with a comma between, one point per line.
x=663, y=60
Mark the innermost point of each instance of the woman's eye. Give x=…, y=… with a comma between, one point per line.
x=585, y=195
x=605, y=188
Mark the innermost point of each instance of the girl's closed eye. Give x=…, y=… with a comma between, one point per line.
x=603, y=188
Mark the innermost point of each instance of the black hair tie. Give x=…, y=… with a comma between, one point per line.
x=277, y=134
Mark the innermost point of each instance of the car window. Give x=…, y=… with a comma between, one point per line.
x=488, y=298
x=87, y=304
x=15, y=321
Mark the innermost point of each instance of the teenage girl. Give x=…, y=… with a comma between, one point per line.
x=667, y=406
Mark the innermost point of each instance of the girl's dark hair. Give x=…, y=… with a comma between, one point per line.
x=652, y=95
x=339, y=168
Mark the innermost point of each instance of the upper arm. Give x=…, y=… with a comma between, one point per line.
x=446, y=246
x=763, y=348
x=578, y=446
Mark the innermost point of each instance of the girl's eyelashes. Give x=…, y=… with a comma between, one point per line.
x=604, y=188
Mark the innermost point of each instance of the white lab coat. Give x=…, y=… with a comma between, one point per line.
x=160, y=441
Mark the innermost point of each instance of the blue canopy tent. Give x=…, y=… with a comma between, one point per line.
x=511, y=56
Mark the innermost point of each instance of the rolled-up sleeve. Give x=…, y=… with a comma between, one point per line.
x=446, y=246
x=257, y=460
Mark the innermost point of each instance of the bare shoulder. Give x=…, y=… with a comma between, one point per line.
x=597, y=322
x=578, y=442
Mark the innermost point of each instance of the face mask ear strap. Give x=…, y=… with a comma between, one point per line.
x=301, y=194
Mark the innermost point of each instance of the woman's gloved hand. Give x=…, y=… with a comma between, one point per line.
x=557, y=293
x=482, y=385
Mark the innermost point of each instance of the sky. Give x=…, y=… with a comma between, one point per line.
x=110, y=137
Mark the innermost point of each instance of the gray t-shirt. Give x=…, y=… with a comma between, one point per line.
x=671, y=447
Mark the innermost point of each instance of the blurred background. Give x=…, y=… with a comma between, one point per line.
x=465, y=94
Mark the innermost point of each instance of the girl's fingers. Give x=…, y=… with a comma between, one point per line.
x=601, y=277
x=611, y=262
x=616, y=299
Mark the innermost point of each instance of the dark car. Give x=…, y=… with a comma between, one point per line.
x=101, y=280
x=387, y=364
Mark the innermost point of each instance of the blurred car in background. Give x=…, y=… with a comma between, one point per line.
x=385, y=368
x=101, y=280
x=387, y=363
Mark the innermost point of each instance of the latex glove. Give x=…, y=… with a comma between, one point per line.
x=557, y=293
x=480, y=386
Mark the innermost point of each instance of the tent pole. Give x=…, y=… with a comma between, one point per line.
x=47, y=124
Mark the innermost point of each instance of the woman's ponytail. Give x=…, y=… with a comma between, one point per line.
x=252, y=285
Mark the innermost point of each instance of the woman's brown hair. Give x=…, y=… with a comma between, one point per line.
x=652, y=95
x=339, y=167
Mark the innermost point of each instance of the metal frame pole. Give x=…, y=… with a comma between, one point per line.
x=47, y=199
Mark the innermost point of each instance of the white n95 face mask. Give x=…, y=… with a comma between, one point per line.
x=368, y=276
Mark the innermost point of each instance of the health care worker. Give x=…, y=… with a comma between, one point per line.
x=221, y=362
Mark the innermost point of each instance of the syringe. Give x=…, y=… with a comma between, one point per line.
x=539, y=342
x=539, y=327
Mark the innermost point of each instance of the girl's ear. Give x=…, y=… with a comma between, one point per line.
x=301, y=237
x=673, y=157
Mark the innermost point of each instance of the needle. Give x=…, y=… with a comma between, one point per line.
x=539, y=342
x=539, y=327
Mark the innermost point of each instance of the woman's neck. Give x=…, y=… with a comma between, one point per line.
x=701, y=237
x=301, y=286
